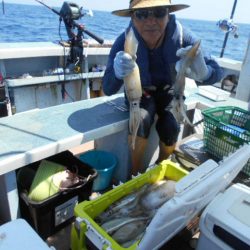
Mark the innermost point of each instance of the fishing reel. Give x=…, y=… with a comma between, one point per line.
x=228, y=26
x=70, y=11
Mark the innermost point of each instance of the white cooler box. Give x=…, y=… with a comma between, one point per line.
x=19, y=235
x=225, y=223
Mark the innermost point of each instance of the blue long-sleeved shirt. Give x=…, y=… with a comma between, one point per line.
x=157, y=67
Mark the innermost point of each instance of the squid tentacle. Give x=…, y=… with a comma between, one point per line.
x=133, y=88
x=178, y=107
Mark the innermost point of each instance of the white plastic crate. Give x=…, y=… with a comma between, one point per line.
x=225, y=223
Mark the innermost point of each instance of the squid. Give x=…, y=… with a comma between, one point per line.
x=133, y=89
x=178, y=108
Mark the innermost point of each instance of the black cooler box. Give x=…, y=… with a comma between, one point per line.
x=52, y=214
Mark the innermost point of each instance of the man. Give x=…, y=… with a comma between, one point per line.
x=162, y=43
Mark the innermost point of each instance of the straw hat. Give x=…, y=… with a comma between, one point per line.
x=142, y=4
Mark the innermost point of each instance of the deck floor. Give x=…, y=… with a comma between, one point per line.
x=60, y=240
x=182, y=241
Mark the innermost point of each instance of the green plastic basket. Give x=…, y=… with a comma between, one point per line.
x=225, y=130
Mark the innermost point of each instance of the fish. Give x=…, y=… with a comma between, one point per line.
x=132, y=84
x=178, y=109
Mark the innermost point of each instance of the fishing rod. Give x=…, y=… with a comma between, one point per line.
x=55, y=11
x=3, y=7
x=227, y=34
x=68, y=13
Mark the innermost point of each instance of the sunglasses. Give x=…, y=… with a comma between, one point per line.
x=145, y=13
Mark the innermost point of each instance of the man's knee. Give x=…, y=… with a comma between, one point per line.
x=145, y=124
x=168, y=129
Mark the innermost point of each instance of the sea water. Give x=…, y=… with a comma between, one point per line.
x=31, y=23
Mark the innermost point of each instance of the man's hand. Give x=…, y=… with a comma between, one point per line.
x=198, y=70
x=123, y=64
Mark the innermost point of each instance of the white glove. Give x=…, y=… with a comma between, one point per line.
x=123, y=64
x=198, y=70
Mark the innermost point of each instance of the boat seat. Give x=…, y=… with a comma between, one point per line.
x=40, y=133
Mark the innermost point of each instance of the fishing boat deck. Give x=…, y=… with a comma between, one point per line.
x=63, y=127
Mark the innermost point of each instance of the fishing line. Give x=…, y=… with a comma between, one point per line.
x=63, y=90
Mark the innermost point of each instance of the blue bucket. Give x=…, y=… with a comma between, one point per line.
x=104, y=163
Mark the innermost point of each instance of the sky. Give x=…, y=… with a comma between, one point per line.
x=200, y=9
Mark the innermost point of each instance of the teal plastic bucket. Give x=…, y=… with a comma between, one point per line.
x=104, y=163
